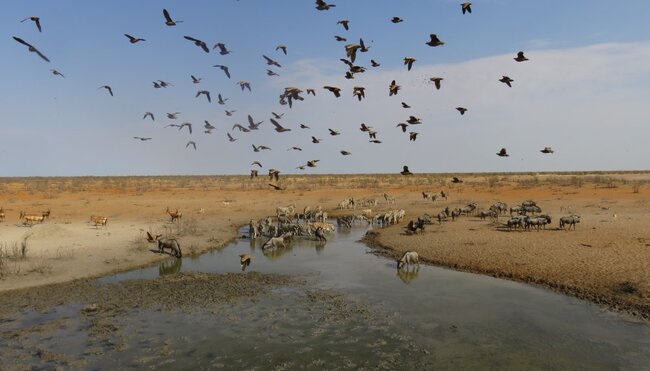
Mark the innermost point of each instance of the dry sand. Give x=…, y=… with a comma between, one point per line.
x=606, y=260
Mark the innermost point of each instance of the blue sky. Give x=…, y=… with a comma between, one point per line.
x=584, y=91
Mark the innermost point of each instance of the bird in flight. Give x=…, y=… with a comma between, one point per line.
x=31, y=48
x=110, y=90
x=142, y=139
x=375, y=141
x=345, y=23
x=156, y=85
x=311, y=91
x=224, y=69
x=204, y=92
x=393, y=88
x=230, y=138
x=359, y=92
x=277, y=116
x=168, y=19
x=412, y=136
x=132, y=39
x=466, y=7
x=322, y=5
x=208, y=126
x=414, y=120
x=221, y=100
x=164, y=84
x=303, y=126
x=271, y=62
x=346, y=153
x=547, y=150
x=374, y=64
x=252, y=125
x=351, y=51
x=336, y=91
x=404, y=105
x=191, y=143
x=403, y=126
x=256, y=163
x=434, y=41
x=406, y=171
x=173, y=115
x=520, y=57
x=315, y=140
x=436, y=81
x=55, y=73
x=503, y=153
x=148, y=114
x=340, y=38
x=229, y=113
x=244, y=85
x=196, y=80
x=185, y=124
x=198, y=43
x=365, y=127
x=396, y=20
x=241, y=128
x=408, y=61
x=222, y=48
x=279, y=128
x=271, y=73
x=462, y=110
x=506, y=80
x=295, y=149
x=312, y=163
x=334, y=132
x=36, y=20
x=283, y=48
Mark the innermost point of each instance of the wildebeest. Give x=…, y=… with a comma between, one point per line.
x=569, y=220
x=166, y=244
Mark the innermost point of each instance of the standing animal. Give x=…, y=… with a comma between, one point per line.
x=166, y=244
x=31, y=219
x=99, y=220
x=409, y=258
x=175, y=215
x=320, y=234
x=2, y=214
x=570, y=221
x=46, y=214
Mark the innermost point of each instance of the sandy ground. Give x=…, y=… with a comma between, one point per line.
x=606, y=260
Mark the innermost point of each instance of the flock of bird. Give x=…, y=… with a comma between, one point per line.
x=292, y=94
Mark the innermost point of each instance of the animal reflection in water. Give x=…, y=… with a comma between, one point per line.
x=407, y=275
x=170, y=266
x=245, y=261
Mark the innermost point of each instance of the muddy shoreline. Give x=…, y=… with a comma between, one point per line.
x=609, y=302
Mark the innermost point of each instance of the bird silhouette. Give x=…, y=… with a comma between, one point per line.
x=336, y=91
x=359, y=92
x=403, y=126
x=222, y=48
x=244, y=85
x=466, y=7
x=404, y=105
x=322, y=5
x=506, y=80
x=434, y=41
x=229, y=113
x=204, y=92
x=223, y=68
x=315, y=140
x=414, y=120
x=196, y=80
x=230, y=138
x=277, y=116
x=256, y=163
x=191, y=143
x=207, y=125
x=132, y=39
x=462, y=110
x=303, y=126
x=241, y=128
x=271, y=73
x=393, y=88
x=173, y=115
x=56, y=73
x=412, y=136
x=283, y=48
x=164, y=84
x=346, y=153
x=365, y=127
x=279, y=128
x=187, y=125
x=31, y=48
x=271, y=62
x=142, y=139
x=198, y=43
x=334, y=132
x=311, y=91
x=520, y=57
x=252, y=124
x=503, y=153
x=547, y=150
x=345, y=23
x=374, y=64
x=295, y=149
x=408, y=61
x=36, y=20
x=221, y=100
x=168, y=19
x=340, y=38
x=436, y=81
x=110, y=90
x=396, y=20
x=148, y=114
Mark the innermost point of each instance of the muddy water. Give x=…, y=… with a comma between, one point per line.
x=355, y=311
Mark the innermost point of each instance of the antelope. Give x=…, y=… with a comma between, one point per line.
x=175, y=215
x=46, y=214
x=2, y=214
x=409, y=258
x=31, y=219
x=99, y=220
x=166, y=243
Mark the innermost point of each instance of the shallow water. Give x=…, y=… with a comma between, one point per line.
x=366, y=313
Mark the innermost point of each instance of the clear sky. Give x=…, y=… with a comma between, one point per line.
x=585, y=91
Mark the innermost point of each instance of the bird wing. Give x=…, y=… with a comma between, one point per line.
x=167, y=17
x=205, y=48
x=250, y=120
x=192, y=39
x=129, y=36
x=38, y=24
x=22, y=41
x=276, y=124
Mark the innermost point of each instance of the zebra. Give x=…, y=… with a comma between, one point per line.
x=389, y=199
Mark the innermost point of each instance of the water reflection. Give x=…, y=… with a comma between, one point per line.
x=408, y=274
x=170, y=266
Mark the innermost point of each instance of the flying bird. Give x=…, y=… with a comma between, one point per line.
x=185, y=124
x=434, y=41
x=403, y=126
x=283, y=48
x=271, y=73
x=173, y=115
x=252, y=124
x=156, y=85
x=414, y=120
x=221, y=100
x=168, y=20
x=229, y=113
x=142, y=139
x=148, y=114
x=207, y=125
x=222, y=48
x=295, y=149
x=224, y=69
x=393, y=88
x=346, y=153
x=315, y=140
x=277, y=116
x=110, y=90
x=404, y=105
x=204, y=92
x=375, y=141
x=396, y=20
x=196, y=80
x=311, y=91
x=279, y=128
x=345, y=23
x=230, y=138
x=503, y=153
x=520, y=57
x=351, y=51
x=466, y=7
x=412, y=136
x=336, y=91
x=31, y=48
x=322, y=5
x=259, y=148
x=408, y=61
x=312, y=163
x=55, y=73
x=359, y=92
x=36, y=20
x=245, y=261
x=191, y=143
x=244, y=85
x=436, y=81
x=199, y=43
x=132, y=39
x=462, y=110
x=374, y=64
x=340, y=38
x=506, y=80
x=256, y=163
x=241, y=128
x=362, y=47
x=164, y=84
x=365, y=127
x=271, y=62
x=547, y=150
x=303, y=126
x=333, y=132
x=405, y=171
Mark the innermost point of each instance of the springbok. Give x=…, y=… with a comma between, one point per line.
x=166, y=243
x=175, y=215
x=31, y=219
x=409, y=258
x=99, y=220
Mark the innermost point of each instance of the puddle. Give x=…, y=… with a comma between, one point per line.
x=356, y=311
